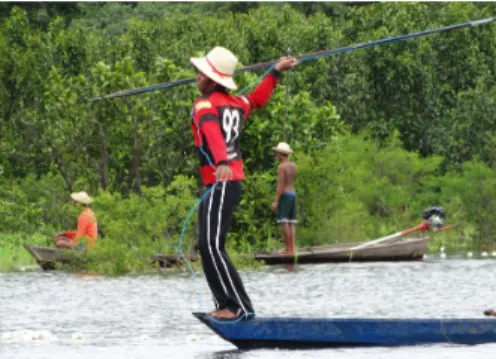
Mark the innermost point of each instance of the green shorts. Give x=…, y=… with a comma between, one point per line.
x=286, y=210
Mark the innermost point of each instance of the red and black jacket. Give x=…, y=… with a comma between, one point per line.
x=217, y=122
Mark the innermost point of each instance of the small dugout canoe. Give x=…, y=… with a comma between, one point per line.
x=307, y=333
x=405, y=249
x=48, y=257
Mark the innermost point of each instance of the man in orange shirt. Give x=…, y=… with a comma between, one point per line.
x=87, y=226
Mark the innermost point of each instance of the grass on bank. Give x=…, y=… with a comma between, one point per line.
x=113, y=257
x=12, y=252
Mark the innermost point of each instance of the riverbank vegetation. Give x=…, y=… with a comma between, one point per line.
x=379, y=134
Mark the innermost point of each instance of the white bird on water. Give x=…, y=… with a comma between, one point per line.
x=469, y=254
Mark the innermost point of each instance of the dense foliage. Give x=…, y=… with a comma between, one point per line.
x=379, y=134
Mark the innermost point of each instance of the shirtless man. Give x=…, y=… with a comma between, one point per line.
x=285, y=201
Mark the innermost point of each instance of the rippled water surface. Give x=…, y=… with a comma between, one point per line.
x=58, y=315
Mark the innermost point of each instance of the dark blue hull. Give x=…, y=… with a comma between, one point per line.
x=299, y=333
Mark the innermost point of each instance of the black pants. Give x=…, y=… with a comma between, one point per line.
x=215, y=216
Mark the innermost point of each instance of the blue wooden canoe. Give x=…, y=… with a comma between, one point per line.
x=300, y=333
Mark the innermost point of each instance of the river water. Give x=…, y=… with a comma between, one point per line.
x=59, y=315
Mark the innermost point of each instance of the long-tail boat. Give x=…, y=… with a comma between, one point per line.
x=404, y=249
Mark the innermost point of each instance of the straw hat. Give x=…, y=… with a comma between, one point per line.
x=283, y=147
x=81, y=197
x=218, y=65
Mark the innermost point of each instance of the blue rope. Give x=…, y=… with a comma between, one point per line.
x=183, y=230
x=185, y=225
x=256, y=81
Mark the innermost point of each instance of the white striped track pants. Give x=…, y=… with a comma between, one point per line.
x=215, y=216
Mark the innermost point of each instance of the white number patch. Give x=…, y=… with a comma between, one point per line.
x=230, y=123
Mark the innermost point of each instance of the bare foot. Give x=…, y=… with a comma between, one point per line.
x=212, y=313
x=223, y=314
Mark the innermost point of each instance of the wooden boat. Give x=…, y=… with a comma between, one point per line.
x=47, y=257
x=300, y=333
x=405, y=249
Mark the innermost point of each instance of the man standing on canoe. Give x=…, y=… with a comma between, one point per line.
x=217, y=122
x=285, y=200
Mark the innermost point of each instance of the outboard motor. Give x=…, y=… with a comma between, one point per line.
x=434, y=216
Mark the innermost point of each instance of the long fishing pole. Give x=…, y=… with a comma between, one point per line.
x=305, y=57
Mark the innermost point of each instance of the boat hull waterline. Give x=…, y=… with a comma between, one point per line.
x=300, y=333
x=405, y=249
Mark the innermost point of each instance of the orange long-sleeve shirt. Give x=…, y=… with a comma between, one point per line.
x=87, y=227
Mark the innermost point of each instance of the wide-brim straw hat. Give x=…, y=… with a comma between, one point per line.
x=81, y=197
x=283, y=147
x=218, y=65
